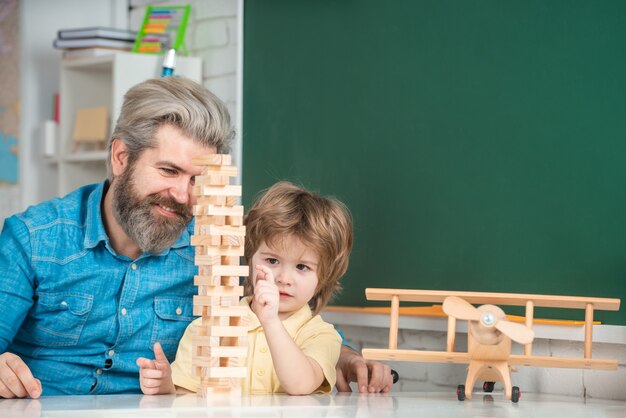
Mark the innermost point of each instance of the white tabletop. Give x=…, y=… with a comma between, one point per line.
x=400, y=404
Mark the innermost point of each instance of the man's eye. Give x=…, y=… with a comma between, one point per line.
x=168, y=171
x=303, y=267
x=272, y=260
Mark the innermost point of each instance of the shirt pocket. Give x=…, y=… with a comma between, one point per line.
x=172, y=315
x=58, y=319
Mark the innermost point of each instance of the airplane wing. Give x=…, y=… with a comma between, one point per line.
x=464, y=358
x=416, y=355
x=563, y=362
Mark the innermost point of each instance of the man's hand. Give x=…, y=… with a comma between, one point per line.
x=371, y=376
x=155, y=376
x=16, y=380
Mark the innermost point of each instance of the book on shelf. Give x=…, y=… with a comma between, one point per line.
x=92, y=43
x=97, y=32
x=90, y=52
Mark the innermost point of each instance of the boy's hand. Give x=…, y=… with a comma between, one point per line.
x=155, y=376
x=266, y=297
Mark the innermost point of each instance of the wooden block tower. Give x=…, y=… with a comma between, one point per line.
x=220, y=342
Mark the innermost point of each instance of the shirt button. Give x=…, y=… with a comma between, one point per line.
x=124, y=311
x=260, y=372
x=133, y=266
x=111, y=353
x=179, y=311
x=98, y=371
x=63, y=303
x=263, y=350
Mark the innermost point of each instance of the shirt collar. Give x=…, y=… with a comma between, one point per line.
x=94, y=226
x=291, y=324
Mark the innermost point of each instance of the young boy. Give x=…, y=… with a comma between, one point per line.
x=297, y=245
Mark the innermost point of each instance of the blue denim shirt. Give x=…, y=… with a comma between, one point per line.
x=78, y=313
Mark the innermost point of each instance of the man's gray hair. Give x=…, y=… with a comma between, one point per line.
x=176, y=101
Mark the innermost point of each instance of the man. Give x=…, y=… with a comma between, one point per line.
x=91, y=281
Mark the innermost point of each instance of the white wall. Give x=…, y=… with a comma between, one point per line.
x=39, y=22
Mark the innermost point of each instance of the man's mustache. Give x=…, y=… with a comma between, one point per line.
x=179, y=208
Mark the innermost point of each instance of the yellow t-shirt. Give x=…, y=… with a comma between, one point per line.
x=316, y=338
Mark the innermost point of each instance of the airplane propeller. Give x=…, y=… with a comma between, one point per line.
x=488, y=319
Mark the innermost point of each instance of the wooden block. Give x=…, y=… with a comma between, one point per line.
x=224, y=371
x=212, y=179
x=227, y=351
x=236, y=210
x=239, y=320
x=218, y=309
x=221, y=291
x=199, y=310
x=227, y=331
x=203, y=362
x=205, y=341
x=235, y=311
x=203, y=190
x=226, y=270
x=234, y=220
x=230, y=300
x=200, y=300
x=231, y=261
x=207, y=323
x=226, y=230
x=212, y=159
x=205, y=271
x=200, y=332
x=200, y=210
x=222, y=389
x=217, y=291
x=201, y=280
x=207, y=260
x=217, y=210
x=232, y=241
x=218, y=251
x=221, y=170
x=231, y=200
x=204, y=221
x=212, y=200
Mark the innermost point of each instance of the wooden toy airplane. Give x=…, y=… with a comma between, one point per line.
x=490, y=334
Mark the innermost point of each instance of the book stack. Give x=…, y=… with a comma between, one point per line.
x=94, y=41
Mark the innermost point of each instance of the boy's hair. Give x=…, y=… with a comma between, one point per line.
x=324, y=224
x=176, y=101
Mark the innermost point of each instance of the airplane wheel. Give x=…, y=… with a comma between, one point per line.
x=460, y=392
x=488, y=386
x=515, y=394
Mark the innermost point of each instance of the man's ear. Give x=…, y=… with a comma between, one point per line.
x=119, y=156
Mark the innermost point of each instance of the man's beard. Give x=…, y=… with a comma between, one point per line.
x=152, y=233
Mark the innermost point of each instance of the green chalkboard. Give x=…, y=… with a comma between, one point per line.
x=481, y=145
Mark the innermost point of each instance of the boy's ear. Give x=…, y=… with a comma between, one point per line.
x=119, y=156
